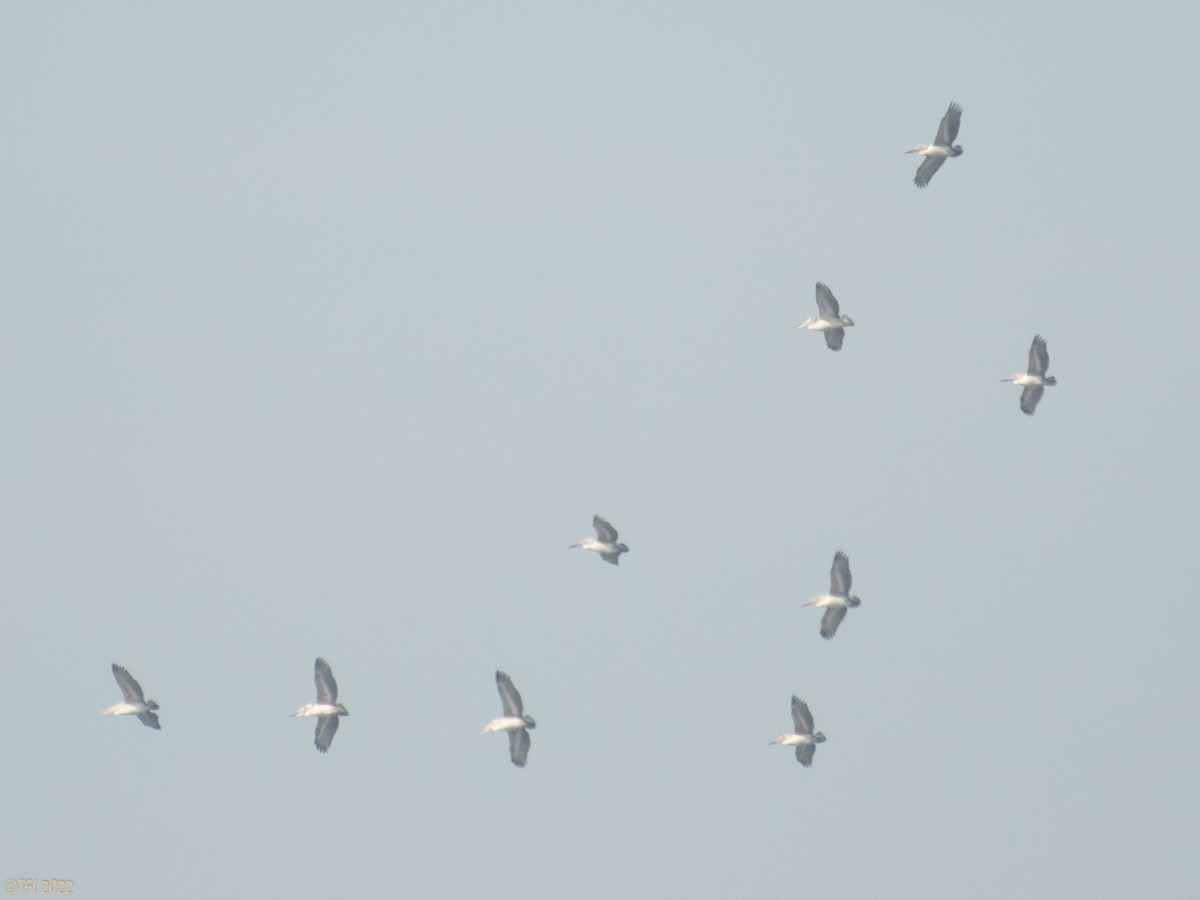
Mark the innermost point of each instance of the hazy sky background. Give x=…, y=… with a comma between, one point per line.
x=327, y=328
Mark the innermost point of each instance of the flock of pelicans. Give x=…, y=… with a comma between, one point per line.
x=514, y=721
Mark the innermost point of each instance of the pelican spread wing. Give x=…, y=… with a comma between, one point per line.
x=834, y=338
x=518, y=746
x=1030, y=398
x=327, y=727
x=511, y=699
x=928, y=169
x=804, y=754
x=151, y=719
x=827, y=303
x=131, y=690
x=326, y=689
x=948, y=129
x=839, y=575
x=801, y=717
x=831, y=620
x=604, y=532
x=1039, y=357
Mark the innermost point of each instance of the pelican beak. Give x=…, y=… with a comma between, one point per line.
x=916, y=149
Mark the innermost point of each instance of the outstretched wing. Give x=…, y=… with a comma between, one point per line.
x=928, y=169
x=839, y=575
x=327, y=727
x=801, y=717
x=150, y=720
x=326, y=686
x=1030, y=398
x=948, y=129
x=509, y=696
x=518, y=746
x=129, y=687
x=804, y=754
x=614, y=557
x=604, y=532
x=1039, y=356
x=834, y=338
x=831, y=620
x=827, y=303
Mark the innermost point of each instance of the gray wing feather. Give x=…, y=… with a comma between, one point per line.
x=1030, y=397
x=834, y=338
x=509, y=696
x=831, y=620
x=928, y=169
x=326, y=686
x=801, y=717
x=129, y=687
x=327, y=727
x=518, y=746
x=604, y=531
x=150, y=720
x=948, y=129
x=839, y=575
x=614, y=558
x=805, y=753
x=826, y=302
x=1039, y=356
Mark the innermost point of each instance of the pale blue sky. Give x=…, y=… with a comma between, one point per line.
x=328, y=328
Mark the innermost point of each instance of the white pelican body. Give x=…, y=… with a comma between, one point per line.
x=830, y=320
x=838, y=600
x=605, y=543
x=804, y=740
x=135, y=703
x=941, y=149
x=1035, y=378
x=327, y=709
x=514, y=721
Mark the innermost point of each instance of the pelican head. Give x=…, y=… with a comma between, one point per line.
x=920, y=148
x=807, y=322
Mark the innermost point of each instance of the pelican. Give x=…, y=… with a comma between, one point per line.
x=514, y=721
x=830, y=321
x=327, y=709
x=803, y=740
x=135, y=703
x=1035, y=379
x=943, y=146
x=838, y=600
x=605, y=542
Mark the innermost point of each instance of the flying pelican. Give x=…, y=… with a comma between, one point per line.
x=514, y=720
x=830, y=320
x=135, y=703
x=327, y=709
x=943, y=146
x=838, y=600
x=605, y=542
x=803, y=740
x=1034, y=380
